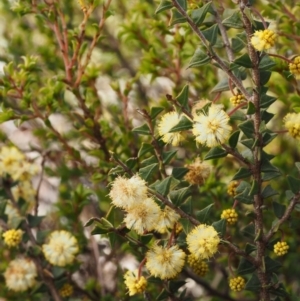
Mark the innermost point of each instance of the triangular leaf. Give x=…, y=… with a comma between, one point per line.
x=247, y=128
x=142, y=130
x=220, y=226
x=179, y=172
x=203, y=214
x=183, y=96
x=168, y=156
x=198, y=15
x=163, y=187
x=145, y=148
x=233, y=21
x=242, y=173
x=294, y=184
x=211, y=34
x=148, y=171
x=199, y=58
x=164, y=5
x=233, y=139
x=244, y=60
x=216, y=152
x=266, y=63
x=184, y=124
x=155, y=111
x=279, y=209
x=245, y=267
x=253, y=284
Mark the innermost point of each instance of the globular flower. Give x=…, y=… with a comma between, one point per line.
x=126, y=193
x=198, y=172
x=237, y=99
x=237, y=284
x=231, y=188
x=165, y=263
x=24, y=190
x=66, y=291
x=295, y=67
x=167, y=122
x=61, y=248
x=199, y=267
x=13, y=237
x=263, y=39
x=143, y=217
x=281, y=248
x=230, y=215
x=212, y=128
x=167, y=219
x=203, y=241
x=292, y=123
x=134, y=283
x=20, y=274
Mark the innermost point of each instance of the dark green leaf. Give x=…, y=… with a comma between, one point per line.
x=179, y=172
x=266, y=116
x=145, y=148
x=168, y=156
x=297, y=164
x=244, y=60
x=57, y=271
x=254, y=188
x=238, y=115
x=216, y=152
x=253, y=284
x=3, y=204
x=176, y=17
x=203, y=214
x=267, y=176
x=151, y=160
x=155, y=111
x=266, y=63
x=245, y=267
x=237, y=45
x=249, y=231
x=271, y=265
x=131, y=162
x=220, y=226
x=243, y=193
x=145, y=239
x=164, y=5
x=184, y=124
x=234, y=138
x=174, y=286
x=148, y=171
x=264, y=77
x=199, y=58
x=279, y=290
x=251, y=108
x=211, y=34
x=34, y=221
x=221, y=86
x=198, y=15
x=248, y=143
x=6, y=115
x=242, y=173
x=268, y=191
x=183, y=96
x=247, y=128
x=115, y=170
x=268, y=137
x=266, y=100
x=187, y=206
x=266, y=166
x=163, y=186
x=279, y=209
x=294, y=184
x=233, y=21
x=250, y=248
x=162, y=296
x=112, y=236
x=142, y=130
x=289, y=194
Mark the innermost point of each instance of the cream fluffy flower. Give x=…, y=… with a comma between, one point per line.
x=263, y=39
x=212, y=128
x=126, y=193
x=165, y=263
x=20, y=274
x=168, y=217
x=292, y=123
x=61, y=248
x=198, y=172
x=203, y=241
x=167, y=122
x=143, y=216
x=134, y=284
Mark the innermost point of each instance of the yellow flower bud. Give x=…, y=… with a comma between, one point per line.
x=281, y=248
x=12, y=237
x=237, y=284
x=295, y=67
x=199, y=267
x=237, y=99
x=230, y=215
x=231, y=188
x=66, y=290
x=263, y=39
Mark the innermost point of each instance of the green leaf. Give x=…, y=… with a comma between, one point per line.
x=289, y=194
x=266, y=100
x=267, y=176
x=199, y=58
x=176, y=17
x=163, y=186
x=174, y=286
x=179, y=172
x=243, y=193
x=266, y=166
x=186, y=225
x=233, y=21
x=203, y=214
x=279, y=209
x=266, y=63
x=112, y=236
x=145, y=148
x=221, y=86
x=253, y=284
x=142, y=130
x=249, y=231
x=145, y=239
x=247, y=128
x=244, y=60
x=183, y=96
x=168, y=156
x=34, y=221
x=187, y=206
x=251, y=108
x=184, y=124
x=233, y=139
x=57, y=271
x=211, y=34
x=220, y=227
x=279, y=290
x=268, y=137
x=294, y=184
x=242, y=173
x=266, y=116
x=162, y=296
x=272, y=266
x=6, y=115
x=131, y=162
x=198, y=15
x=149, y=161
x=264, y=77
x=148, y=171
x=248, y=143
x=245, y=267
x=155, y=111
x=216, y=152
x=164, y=5
x=237, y=45
x=297, y=164
x=250, y=248
x=268, y=191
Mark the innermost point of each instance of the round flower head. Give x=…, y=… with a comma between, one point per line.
x=12, y=237
x=20, y=274
x=143, y=217
x=198, y=172
x=212, y=128
x=126, y=193
x=281, y=248
x=61, y=248
x=237, y=284
x=263, y=39
x=167, y=219
x=231, y=188
x=295, y=67
x=203, y=241
x=230, y=215
x=66, y=290
x=167, y=122
x=237, y=99
x=292, y=123
x=24, y=190
x=165, y=263
x=134, y=284
x=199, y=267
